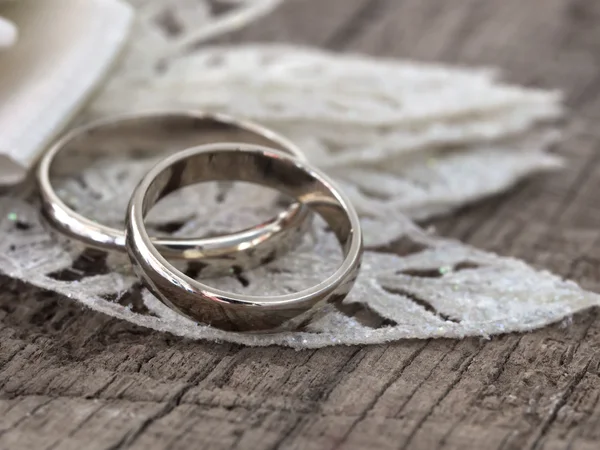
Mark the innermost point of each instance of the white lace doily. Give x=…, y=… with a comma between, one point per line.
x=402, y=138
x=399, y=136
x=429, y=287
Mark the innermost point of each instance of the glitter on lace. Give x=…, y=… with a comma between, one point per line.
x=444, y=270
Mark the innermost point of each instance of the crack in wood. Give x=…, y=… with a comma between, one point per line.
x=496, y=375
x=380, y=394
x=79, y=426
x=537, y=441
x=451, y=386
x=129, y=438
x=26, y=416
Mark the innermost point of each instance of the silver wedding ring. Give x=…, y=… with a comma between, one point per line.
x=166, y=132
x=254, y=164
x=222, y=149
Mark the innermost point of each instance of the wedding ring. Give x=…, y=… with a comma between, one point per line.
x=152, y=133
x=254, y=164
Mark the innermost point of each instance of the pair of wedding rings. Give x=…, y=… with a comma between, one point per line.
x=219, y=148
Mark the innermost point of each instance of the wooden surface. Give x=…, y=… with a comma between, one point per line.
x=73, y=379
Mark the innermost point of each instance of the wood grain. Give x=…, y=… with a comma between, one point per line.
x=72, y=379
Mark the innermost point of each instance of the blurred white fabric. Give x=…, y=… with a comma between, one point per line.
x=64, y=49
x=8, y=33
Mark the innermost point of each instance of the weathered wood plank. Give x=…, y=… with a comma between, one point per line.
x=70, y=378
x=67, y=423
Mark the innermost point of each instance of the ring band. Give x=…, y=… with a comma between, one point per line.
x=254, y=164
x=183, y=129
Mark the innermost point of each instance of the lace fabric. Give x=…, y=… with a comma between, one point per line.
x=429, y=286
x=399, y=136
